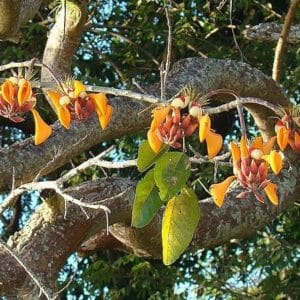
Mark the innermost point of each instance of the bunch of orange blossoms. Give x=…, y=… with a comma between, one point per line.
x=174, y=122
x=251, y=167
x=72, y=102
x=288, y=131
x=16, y=99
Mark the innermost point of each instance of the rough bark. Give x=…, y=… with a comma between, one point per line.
x=206, y=74
x=13, y=15
x=49, y=238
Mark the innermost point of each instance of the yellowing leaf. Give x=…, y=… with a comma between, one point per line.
x=180, y=220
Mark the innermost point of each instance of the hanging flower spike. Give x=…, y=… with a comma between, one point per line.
x=213, y=140
x=288, y=130
x=16, y=99
x=74, y=103
x=250, y=167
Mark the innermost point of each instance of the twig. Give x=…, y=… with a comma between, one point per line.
x=36, y=280
x=279, y=51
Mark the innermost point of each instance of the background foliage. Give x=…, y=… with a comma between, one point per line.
x=126, y=41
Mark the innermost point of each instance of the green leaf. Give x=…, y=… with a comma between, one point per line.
x=146, y=156
x=147, y=201
x=180, y=219
x=171, y=173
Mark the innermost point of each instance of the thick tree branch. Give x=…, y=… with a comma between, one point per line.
x=48, y=239
x=205, y=74
x=269, y=32
x=279, y=51
x=13, y=15
x=64, y=39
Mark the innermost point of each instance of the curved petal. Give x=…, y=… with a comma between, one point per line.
x=214, y=143
x=158, y=115
x=219, y=190
x=271, y=191
x=24, y=92
x=297, y=141
x=7, y=91
x=257, y=143
x=235, y=152
x=204, y=127
x=154, y=141
x=267, y=147
x=104, y=119
x=244, y=148
x=282, y=137
x=79, y=87
x=54, y=97
x=100, y=101
x=64, y=116
x=42, y=129
x=275, y=161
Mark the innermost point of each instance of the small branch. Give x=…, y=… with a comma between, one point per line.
x=36, y=280
x=279, y=51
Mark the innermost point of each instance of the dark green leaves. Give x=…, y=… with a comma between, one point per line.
x=146, y=156
x=171, y=173
x=146, y=202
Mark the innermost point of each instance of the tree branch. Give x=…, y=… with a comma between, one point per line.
x=205, y=74
x=13, y=15
x=276, y=72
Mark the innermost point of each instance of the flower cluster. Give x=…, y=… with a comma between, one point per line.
x=251, y=164
x=288, y=131
x=72, y=102
x=180, y=119
x=16, y=99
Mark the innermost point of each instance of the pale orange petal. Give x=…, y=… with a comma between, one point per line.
x=104, y=119
x=275, y=161
x=282, y=137
x=219, y=190
x=79, y=87
x=158, y=115
x=24, y=92
x=64, y=116
x=42, y=129
x=244, y=148
x=54, y=97
x=7, y=91
x=267, y=147
x=204, y=127
x=235, y=152
x=257, y=143
x=100, y=101
x=271, y=191
x=297, y=141
x=214, y=142
x=154, y=141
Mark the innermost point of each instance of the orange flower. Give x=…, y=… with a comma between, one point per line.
x=250, y=168
x=73, y=103
x=288, y=130
x=213, y=140
x=16, y=99
x=168, y=126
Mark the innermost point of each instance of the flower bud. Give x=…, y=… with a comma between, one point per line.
x=256, y=154
x=195, y=111
x=178, y=102
x=64, y=100
x=83, y=95
x=71, y=94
